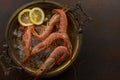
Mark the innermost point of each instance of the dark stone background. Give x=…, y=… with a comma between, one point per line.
x=99, y=58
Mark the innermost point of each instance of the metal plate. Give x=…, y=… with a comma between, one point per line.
x=75, y=38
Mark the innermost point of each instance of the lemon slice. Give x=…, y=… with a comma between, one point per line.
x=24, y=18
x=37, y=16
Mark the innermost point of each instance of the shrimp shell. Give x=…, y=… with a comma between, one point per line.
x=56, y=57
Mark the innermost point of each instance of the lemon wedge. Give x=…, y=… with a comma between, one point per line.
x=24, y=18
x=37, y=16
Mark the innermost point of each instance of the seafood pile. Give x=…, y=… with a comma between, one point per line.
x=52, y=34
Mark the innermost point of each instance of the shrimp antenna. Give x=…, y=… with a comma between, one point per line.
x=66, y=9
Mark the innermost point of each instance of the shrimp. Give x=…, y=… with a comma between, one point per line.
x=63, y=20
x=54, y=36
x=54, y=19
x=26, y=41
x=56, y=57
x=51, y=24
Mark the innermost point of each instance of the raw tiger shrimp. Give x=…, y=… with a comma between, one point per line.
x=51, y=38
x=49, y=27
x=56, y=57
x=26, y=41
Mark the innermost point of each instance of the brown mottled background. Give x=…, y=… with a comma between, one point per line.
x=99, y=58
